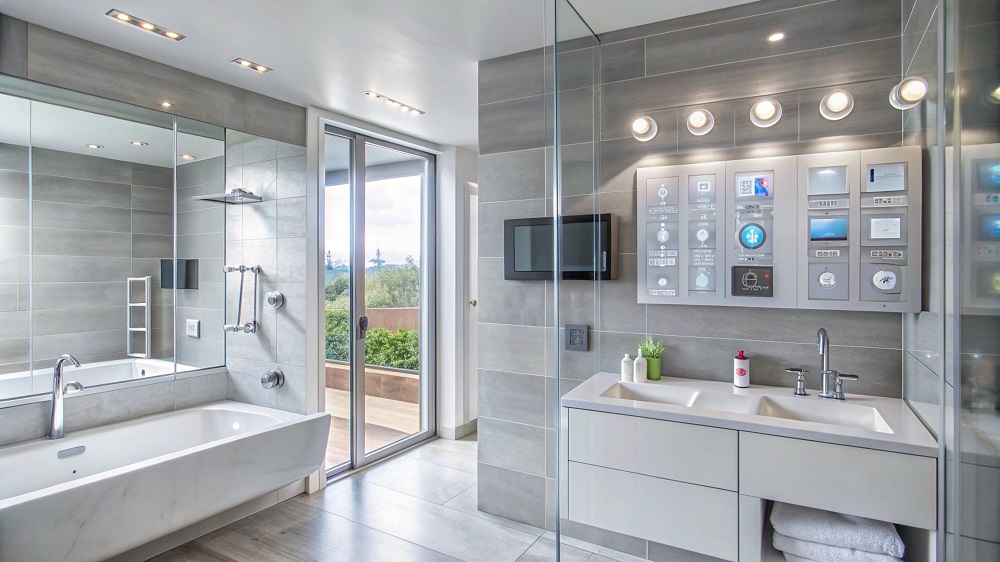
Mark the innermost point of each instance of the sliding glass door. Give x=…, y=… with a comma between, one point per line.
x=379, y=297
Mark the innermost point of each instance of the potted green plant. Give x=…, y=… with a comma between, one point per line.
x=652, y=352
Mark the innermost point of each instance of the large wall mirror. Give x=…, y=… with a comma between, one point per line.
x=103, y=254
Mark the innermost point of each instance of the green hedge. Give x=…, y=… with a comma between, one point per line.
x=399, y=349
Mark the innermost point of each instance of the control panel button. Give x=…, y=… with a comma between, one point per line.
x=662, y=281
x=753, y=281
x=884, y=280
x=827, y=280
x=752, y=236
x=701, y=281
x=662, y=236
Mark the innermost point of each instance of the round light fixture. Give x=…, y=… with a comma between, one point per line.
x=188, y=157
x=94, y=146
x=166, y=104
x=836, y=104
x=765, y=113
x=775, y=37
x=908, y=93
x=147, y=26
x=138, y=143
x=994, y=95
x=700, y=122
x=172, y=35
x=123, y=17
x=414, y=112
x=644, y=128
x=245, y=62
x=260, y=68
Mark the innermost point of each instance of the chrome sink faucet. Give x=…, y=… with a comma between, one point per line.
x=827, y=372
x=56, y=430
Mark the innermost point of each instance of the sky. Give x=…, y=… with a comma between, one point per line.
x=392, y=215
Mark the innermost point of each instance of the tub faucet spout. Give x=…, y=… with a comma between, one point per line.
x=56, y=418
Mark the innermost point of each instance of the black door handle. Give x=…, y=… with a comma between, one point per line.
x=362, y=327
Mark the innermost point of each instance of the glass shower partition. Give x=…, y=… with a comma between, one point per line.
x=573, y=76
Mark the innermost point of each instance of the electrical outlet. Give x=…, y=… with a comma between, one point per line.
x=194, y=328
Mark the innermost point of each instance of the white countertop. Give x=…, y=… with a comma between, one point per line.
x=909, y=435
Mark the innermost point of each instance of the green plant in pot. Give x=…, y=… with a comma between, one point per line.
x=652, y=353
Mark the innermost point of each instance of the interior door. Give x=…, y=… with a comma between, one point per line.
x=379, y=297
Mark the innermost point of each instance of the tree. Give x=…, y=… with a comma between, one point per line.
x=377, y=261
x=329, y=260
x=410, y=262
x=393, y=288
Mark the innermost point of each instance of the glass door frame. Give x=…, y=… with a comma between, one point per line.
x=428, y=296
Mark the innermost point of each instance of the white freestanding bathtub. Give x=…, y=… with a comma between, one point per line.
x=107, y=490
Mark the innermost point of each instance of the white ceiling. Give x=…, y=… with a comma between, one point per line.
x=327, y=52
x=43, y=125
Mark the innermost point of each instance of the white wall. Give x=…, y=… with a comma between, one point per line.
x=456, y=395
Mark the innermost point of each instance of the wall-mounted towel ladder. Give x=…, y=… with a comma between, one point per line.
x=135, y=309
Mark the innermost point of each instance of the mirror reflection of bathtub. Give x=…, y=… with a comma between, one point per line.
x=39, y=381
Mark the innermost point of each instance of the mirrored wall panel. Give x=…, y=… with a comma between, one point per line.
x=98, y=259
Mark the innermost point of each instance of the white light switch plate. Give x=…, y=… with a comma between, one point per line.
x=194, y=328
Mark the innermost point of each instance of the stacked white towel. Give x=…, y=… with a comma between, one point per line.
x=803, y=533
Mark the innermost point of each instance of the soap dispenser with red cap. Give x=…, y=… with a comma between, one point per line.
x=741, y=370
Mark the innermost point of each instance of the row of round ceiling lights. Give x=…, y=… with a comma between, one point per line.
x=834, y=106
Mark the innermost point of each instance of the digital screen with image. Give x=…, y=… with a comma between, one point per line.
x=988, y=175
x=828, y=229
x=989, y=227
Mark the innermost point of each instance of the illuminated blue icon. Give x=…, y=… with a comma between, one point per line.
x=752, y=236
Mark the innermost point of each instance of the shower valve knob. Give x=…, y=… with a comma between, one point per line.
x=275, y=299
x=272, y=379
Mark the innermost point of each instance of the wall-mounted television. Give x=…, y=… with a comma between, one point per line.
x=589, y=248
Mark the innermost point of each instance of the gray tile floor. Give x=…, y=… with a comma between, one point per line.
x=420, y=505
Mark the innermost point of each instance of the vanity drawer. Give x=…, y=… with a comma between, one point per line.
x=892, y=487
x=678, y=451
x=695, y=518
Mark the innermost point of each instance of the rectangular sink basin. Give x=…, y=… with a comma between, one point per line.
x=690, y=398
x=827, y=412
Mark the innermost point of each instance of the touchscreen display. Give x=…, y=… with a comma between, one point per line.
x=753, y=186
x=989, y=227
x=988, y=174
x=828, y=229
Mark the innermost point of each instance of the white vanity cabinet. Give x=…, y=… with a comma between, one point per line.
x=705, y=489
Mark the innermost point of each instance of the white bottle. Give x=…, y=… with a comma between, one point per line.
x=741, y=370
x=639, y=369
x=628, y=367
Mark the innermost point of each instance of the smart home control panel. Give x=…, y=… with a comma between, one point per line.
x=827, y=231
x=981, y=235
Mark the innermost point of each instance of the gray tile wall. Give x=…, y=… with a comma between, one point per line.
x=201, y=229
x=271, y=234
x=91, y=230
x=719, y=58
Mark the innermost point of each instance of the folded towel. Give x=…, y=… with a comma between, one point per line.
x=836, y=529
x=825, y=552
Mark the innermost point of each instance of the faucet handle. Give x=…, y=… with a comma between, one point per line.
x=800, y=382
x=838, y=392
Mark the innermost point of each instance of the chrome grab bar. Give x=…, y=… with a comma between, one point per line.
x=250, y=327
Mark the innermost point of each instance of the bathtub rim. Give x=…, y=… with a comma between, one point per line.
x=293, y=418
x=112, y=386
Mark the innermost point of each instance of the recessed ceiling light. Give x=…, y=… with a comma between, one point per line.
x=251, y=65
x=644, y=128
x=765, y=113
x=121, y=17
x=700, y=122
x=166, y=104
x=188, y=157
x=995, y=95
x=775, y=37
x=138, y=143
x=94, y=146
x=406, y=108
x=836, y=104
x=908, y=93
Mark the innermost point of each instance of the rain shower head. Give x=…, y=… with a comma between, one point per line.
x=237, y=196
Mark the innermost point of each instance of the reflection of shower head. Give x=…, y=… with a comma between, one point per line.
x=237, y=196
